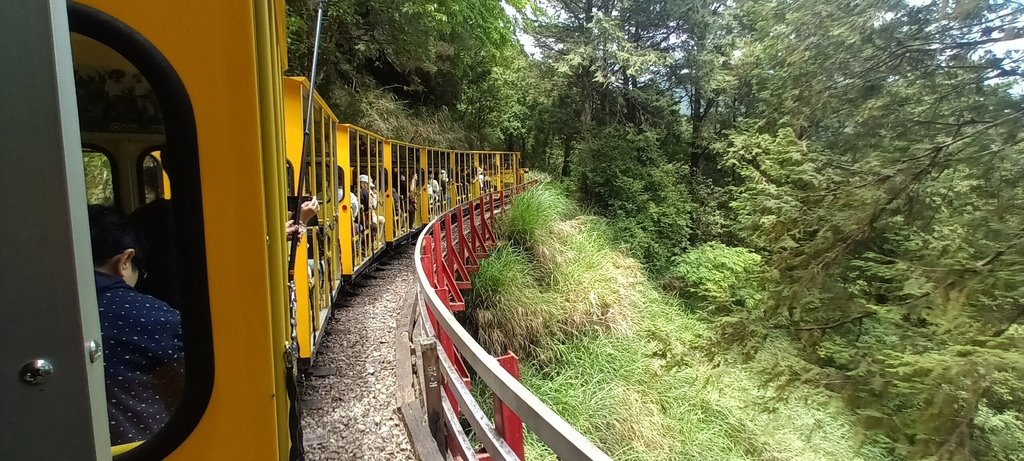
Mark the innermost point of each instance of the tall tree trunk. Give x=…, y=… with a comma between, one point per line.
x=566, y=156
x=696, y=124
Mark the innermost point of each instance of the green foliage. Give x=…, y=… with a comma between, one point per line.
x=427, y=55
x=877, y=187
x=99, y=184
x=629, y=368
x=720, y=277
x=533, y=213
x=861, y=164
x=628, y=180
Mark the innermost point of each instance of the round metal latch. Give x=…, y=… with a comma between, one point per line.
x=95, y=351
x=36, y=372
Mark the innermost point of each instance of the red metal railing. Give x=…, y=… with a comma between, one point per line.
x=448, y=252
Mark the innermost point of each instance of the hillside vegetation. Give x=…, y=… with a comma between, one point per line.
x=640, y=372
x=807, y=217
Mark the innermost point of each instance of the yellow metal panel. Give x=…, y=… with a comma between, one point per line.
x=166, y=179
x=424, y=207
x=389, y=201
x=212, y=47
x=345, y=212
x=476, y=189
x=293, y=127
x=271, y=61
x=281, y=30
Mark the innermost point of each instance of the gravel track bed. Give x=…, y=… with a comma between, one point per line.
x=351, y=414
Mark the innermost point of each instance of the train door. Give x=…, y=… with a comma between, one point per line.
x=399, y=189
x=122, y=72
x=51, y=341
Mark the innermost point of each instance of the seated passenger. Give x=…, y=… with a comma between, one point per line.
x=365, y=213
x=155, y=222
x=142, y=341
x=374, y=205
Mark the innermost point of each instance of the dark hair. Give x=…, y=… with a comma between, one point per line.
x=110, y=234
x=152, y=177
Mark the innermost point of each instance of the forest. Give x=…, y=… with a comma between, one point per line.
x=769, y=229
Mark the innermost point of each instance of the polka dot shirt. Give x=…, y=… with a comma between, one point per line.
x=142, y=359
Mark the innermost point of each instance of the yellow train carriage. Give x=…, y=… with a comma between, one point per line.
x=318, y=277
x=365, y=163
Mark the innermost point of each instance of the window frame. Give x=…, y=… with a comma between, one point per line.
x=180, y=159
x=115, y=174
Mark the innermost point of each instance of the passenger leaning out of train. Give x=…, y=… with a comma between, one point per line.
x=307, y=210
x=142, y=340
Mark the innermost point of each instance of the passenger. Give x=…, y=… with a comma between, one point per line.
x=434, y=194
x=414, y=192
x=154, y=220
x=365, y=213
x=152, y=182
x=353, y=199
x=142, y=340
x=443, y=183
x=374, y=204
x=307, y=210
x=401, y=188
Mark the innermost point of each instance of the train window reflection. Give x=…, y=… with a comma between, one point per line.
x=99, y=178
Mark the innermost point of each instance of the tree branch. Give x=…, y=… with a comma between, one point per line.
x=834, y=324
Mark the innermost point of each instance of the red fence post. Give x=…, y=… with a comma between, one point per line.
x=506, y=422
x=456, y=263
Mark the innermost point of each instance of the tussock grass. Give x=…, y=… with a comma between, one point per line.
x=633, y=369
x=598, y=286
x=532, y=214
x=538, y=175
x=510, y=310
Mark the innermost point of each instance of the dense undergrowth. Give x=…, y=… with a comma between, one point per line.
x=633, y=368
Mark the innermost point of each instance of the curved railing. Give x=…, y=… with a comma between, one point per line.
x=447, y=252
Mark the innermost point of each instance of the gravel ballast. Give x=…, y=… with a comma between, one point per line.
x=350, y=414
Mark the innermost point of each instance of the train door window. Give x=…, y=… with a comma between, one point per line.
x=155, y=325
x=153, y=181
x=99, y=178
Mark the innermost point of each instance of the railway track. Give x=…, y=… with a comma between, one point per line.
x=349, y=392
